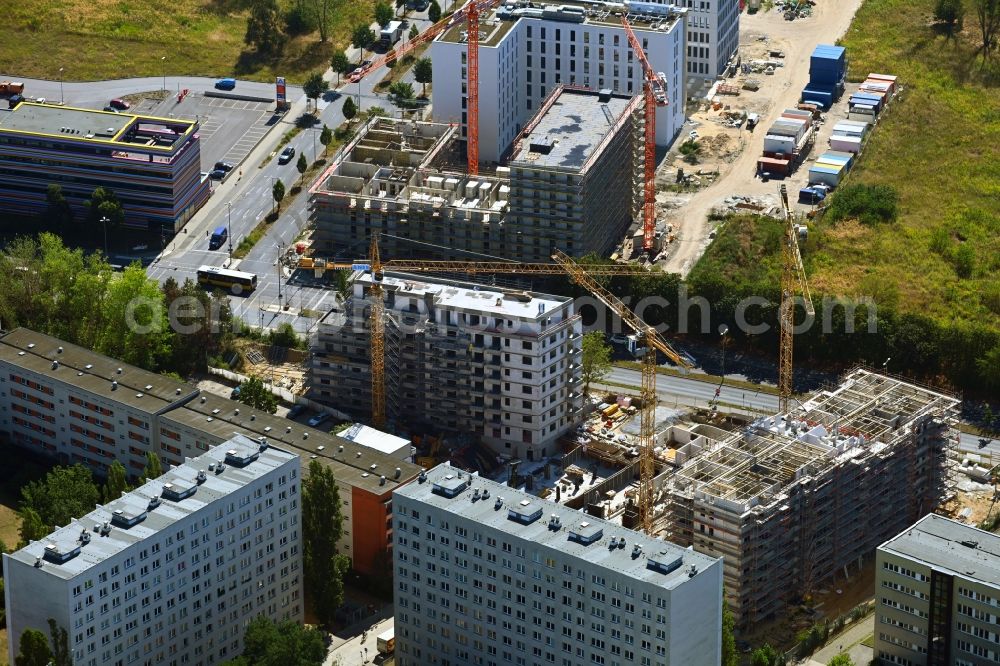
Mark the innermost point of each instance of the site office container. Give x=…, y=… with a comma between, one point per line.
x=850, y=144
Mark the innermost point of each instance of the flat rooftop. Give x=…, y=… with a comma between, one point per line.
x=149, y=509
x=353, y=463
x=867, y=413
x=569, y=129
x=495, y=24
x=472, y=298
x=359, y=433
x=87, y=370
x=950, y=546
x=103, y=127
x=537, y=521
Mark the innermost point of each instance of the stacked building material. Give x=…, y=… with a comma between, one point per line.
x=784, y=141
x=827, y=71
x=873, y=95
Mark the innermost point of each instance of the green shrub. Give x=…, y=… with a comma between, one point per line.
x=869, y=204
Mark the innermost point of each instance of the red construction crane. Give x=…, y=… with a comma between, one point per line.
x=654, y=91
x=470, y=14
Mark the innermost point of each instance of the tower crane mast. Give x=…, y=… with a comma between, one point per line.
x=793, y=282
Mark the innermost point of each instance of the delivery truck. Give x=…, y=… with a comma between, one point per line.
x=391, y=33
x=386, y=642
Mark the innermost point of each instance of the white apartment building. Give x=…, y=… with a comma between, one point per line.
x=488, y=575
x=172, y=572
x=713, y=37
x=937, y=596
x=526, y=51
x=500, y=364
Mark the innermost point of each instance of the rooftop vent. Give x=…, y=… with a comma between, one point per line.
x=263, y=444
x=241, y=459
x=118, y=371
x=554, y=522
x=340, y=449
x=664, y=562
x=475, y=494
x=126, y=520
x=636, y=551
x=59, y=350
x=604, y=95
x=203, y=398
x=524, y=512
x=237, y=412
x=88, y=366
x=498, y=504
x=450, y=486
x=114, y=385
x=201, y=476
x=176, y=493
x=153, y=503
x=149, y=387
x=220, y=468
x=31, y=345
x=693, y=571
x=55, y=365
x=374, y=465
x=396, y=474
x=84, y=536
x=381, y=481
x=586, y=533
x=320, y=447
x=422, y=477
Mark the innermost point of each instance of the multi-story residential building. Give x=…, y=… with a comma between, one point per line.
x=713, y=38
x=170, y=573
x=489, y=575
x=499, y=364
x=153, y=165
x=526, y=50
x=77, y=406
x=937, y=596
x=572, y=175
x=793, y=500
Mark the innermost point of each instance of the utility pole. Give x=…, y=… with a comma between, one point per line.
x=163, y=70
x=62, y=100
x=104, y=222
x=229, y=229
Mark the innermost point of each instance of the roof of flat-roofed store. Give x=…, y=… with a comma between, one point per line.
x=89, y=125
x=945, y=544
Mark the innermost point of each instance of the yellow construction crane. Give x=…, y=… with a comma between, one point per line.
x=793, y=282
x=563, y=265
x=653, y=342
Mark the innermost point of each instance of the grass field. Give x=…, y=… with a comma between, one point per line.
x=939, y=147
x=107, y=39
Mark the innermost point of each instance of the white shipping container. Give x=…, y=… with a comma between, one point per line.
x=776, y=143
x=848, y=144
x=821, y=176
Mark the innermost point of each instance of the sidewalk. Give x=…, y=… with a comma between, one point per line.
x=849, y=641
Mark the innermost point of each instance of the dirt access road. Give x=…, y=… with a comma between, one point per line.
x=798, y=38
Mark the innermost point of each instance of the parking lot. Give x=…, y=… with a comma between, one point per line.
x=229, y=128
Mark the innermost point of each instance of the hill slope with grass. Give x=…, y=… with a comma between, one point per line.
x=125, y=38
x=930, y=257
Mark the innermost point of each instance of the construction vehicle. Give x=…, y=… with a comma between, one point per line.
x=793, y=282
x=654, y=90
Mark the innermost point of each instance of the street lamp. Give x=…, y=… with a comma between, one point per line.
x=163, y=70
x=104, y=221
x=229, y=229
x=62, y=100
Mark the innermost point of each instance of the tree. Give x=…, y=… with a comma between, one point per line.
x=322, y=524
x=263, y=26
x=423, y=72
x=154, y=468
x=286, y=644
x=33, y=528
x=383, y=13
x=414, y=32
x=61, y=656
x=362, y=38
x=690, y=149
x=254, y=394
x=285, y=336
x=434, y=12
x=34, y=649
x=104, y=204
x=339, y=64
x=314, y=87
x=324, y=17
x=766, y=656
x=350, y=109
x=301, y=166
x=391, y=60
x=301, y=18
x=143, y=338
x=596, y=360
x=729, y=655
x=841, y=660
x=117, y=483
x=989, y=368
x=278, y=193
x=65, y=493
x=402, y=93
x=325, y=137
x=949, y=12
x=988, y=19
x=59, y=211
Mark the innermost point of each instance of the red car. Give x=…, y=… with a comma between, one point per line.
x=119, y=104
x=357, y=73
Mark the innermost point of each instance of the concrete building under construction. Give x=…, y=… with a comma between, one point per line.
x=571, y=184
x=792, y=500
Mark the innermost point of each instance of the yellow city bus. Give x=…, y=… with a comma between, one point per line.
x=236, y=281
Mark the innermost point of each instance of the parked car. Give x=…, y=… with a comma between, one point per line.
x=225, y=84
x=218, y=174
x=319, y=419
x=235, y=395
x=286, y=155
x=111, y=109
x=119, y=104
x=295, y=411
x=225, y=166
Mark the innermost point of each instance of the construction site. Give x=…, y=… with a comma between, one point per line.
x=794, y=499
